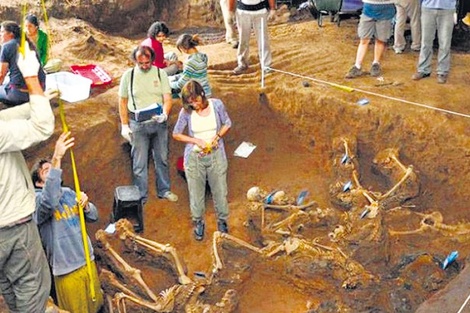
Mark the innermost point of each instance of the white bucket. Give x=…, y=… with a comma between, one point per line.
x=72, y=87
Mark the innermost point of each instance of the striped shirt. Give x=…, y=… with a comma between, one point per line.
x=195, y=68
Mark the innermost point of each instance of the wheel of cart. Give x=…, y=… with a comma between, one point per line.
x=326, y=7
x=313, y=9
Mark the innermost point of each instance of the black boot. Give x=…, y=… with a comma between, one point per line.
x=199, y=230
x=222, y=226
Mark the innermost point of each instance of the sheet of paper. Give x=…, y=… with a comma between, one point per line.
x=244, y=149
x=110, y=229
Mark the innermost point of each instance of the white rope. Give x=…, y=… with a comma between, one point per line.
x=262, y=53
x=464, y=304
x=323, y=82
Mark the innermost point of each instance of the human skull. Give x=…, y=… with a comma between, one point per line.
x=254, y=194
x=280, y=198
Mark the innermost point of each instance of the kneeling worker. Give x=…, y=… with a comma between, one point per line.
x=58, y=220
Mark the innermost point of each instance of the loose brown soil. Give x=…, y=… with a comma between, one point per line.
x=293, y=132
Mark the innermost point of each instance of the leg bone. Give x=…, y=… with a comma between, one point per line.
x=125, y=229
x=131, y=271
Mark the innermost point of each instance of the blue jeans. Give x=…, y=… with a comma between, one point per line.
x=25, y=278
x=11, y=96
x=211, y=168
x=150, y=135
x=443, y=22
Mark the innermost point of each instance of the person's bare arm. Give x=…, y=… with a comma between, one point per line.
x=167, y=103
x=34, y=87
x=64, y=143
x=272, y=4
x=188, y=139
x=123, y=110
x=3, y=71
x=232, y=5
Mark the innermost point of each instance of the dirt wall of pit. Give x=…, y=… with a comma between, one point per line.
x=125, y=17
x=102, y=158
x=435, y=143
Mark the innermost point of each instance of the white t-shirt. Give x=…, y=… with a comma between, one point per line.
x=204, y=127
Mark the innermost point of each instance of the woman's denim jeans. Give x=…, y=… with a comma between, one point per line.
x=150, y=135
x=211, y=168
x=11, y=96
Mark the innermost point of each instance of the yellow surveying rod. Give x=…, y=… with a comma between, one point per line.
x=23, y=32
x=49, y=34
x=65, y=128
x=80, y=208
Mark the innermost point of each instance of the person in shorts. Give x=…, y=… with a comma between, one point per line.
x=375, y=22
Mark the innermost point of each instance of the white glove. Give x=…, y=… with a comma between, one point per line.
x=126, y=132
x=271, y=15
x=28, y=63
x=160, y=118
x=52, y=93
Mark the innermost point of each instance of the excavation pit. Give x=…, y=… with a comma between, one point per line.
x=294, y=132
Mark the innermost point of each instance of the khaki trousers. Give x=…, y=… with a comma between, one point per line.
x=405, y=9
x=230, y=35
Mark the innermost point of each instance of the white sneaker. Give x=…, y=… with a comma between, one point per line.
x=239, y=69
x=170, y=196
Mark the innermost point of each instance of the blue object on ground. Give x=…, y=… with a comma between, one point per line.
x=363, y=101
x=301, y=197
x=364, y=213
x=345, y=158
x=449, y=259
x=269, y=198
x=347, y=186
x=200, y=274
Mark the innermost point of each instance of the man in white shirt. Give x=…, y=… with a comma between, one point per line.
x=25, y=279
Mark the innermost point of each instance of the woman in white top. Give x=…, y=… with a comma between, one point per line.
x=204, y=155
